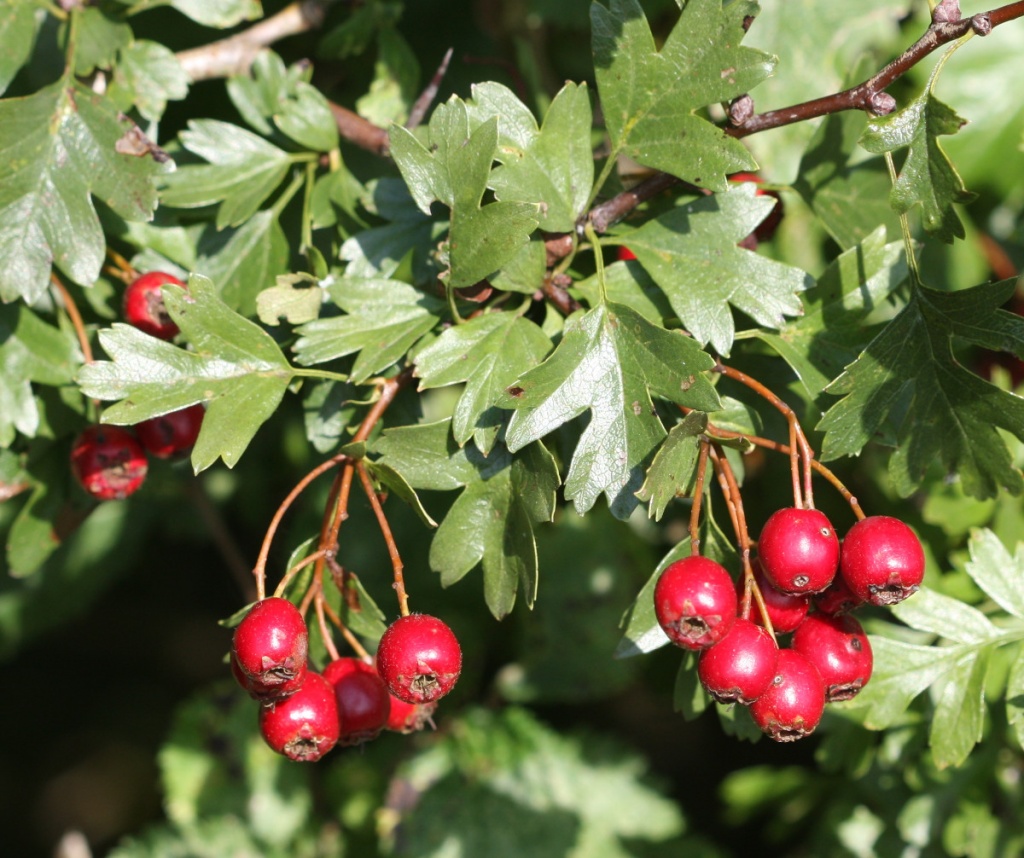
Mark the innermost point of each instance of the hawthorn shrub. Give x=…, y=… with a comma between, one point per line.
x=638, y=308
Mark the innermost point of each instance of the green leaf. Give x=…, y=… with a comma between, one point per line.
x=960, y=710
x=689, y=698
x=306, y=117
x=650, y=99
x=488, y=353
x=909, y=375
x=832, y=331
x=455, y=170
x=997, y=572
x=384, y=319
x=18, y=30
x=556, y=166
x=491, y=522
x=389, y=478
x=674, y=469
x=234, y=367
x=243, y=170
x=98, y=38
x=256, y=95
x=30, y=351
x=1015, y=697
x=148, y=75
x=692, y=254
x=219, y=13
x=931, y=611
x=610, y=361
x=927, y=178
x=329, y=407
x=550, y=795
x=287, y=300
x=58, y=148
x=395, y=84
x=358, y=610
x=245, y=261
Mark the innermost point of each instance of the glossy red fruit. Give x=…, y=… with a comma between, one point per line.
x=171, y=435
x=838, y=647
x=108, y=462
x=304, y=726
x=766, y=229
x=419, y=658
x=837, y=598
x=270, y=646
x=409, y=717
x=741, y=666
x=799, y=550
x=144, y=305
x=364, y=702
x=695, y=602
x=625, y=254
x=267, y=695
x=792, y=706
x=883, y=561
x=786, y=611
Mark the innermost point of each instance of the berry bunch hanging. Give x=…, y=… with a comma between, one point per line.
x=798, y=579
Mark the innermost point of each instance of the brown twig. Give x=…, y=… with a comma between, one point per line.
x=235, y=54
x=389, y=539
x=76, y=318
x=698, y=496
x=426, y=98
x=359, y=131
x=319, y=605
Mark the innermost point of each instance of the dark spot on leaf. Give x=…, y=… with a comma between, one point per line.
x=134, y=142
x=515, y=391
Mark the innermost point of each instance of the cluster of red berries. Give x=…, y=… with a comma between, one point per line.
x=800, y=565
x=111, y=462
x=304, y=714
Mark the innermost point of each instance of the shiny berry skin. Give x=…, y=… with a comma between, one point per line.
x=741, y=666
x=304, y=726
x=270, y=646
x=799, y=550
x=625, y=254
x=695, y=602
x=837, y=598
x=173, y=434
x=419, y=658
x=784, y=610
x=144, y=305
x=364, y=702
x=409, y=717
x=792, y=706
x=267, y=695
x=838, y=647
x=108, y=462
x=882, y=561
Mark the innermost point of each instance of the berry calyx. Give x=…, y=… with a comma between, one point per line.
x=304, y=726
x=785, y=610
x=792, y=705
x=741, y=666
x=171, y=435
x=882, y=561
x=270, y=646
x=108, y=462
x=266, y=695
x=409, y=717
x=838, y=647
x=419, y=658
x=799, y=550
x=364, y=703
x=144, y=305
x=695, y=602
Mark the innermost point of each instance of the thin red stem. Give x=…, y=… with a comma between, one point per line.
x=389, y=540
x=698, y=496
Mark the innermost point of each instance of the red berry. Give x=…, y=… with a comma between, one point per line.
x=837, y=598
x=766, y=229
x=172, y=434
x=270, y=645
x=792, y=706
x=741, y=666
x=409, y=717
x=838, y=647
x=144, y=305
x=785, y=610
x=419, y=658
x=304, y=726
x=625, y=254
x=364, y=703
x=799, y=550
x=108, y=462
x=695, y=602
x=267, y=695
x=882, y=561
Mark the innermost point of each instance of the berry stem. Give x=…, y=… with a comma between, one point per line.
x=325, y=632
x=799, y=449
x=71, y=308
x=389, y=539
x=351, y=639
x=698, y=496
x=122, y=269
x=286, y=579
